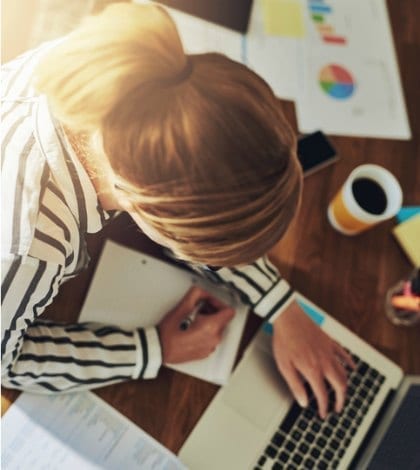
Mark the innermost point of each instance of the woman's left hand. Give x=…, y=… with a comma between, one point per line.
x=303, y=352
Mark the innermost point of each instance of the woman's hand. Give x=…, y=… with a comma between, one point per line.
x=204, y=334
x=303, y=352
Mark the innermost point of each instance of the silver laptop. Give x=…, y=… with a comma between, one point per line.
x=253, y=422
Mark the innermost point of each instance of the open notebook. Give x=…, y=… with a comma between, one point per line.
x=131, y=289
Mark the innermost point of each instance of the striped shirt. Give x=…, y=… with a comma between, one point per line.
x=49, y=205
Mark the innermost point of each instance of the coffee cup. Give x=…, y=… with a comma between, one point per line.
x=370, y=194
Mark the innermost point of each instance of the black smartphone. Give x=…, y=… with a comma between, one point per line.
x=315, y=151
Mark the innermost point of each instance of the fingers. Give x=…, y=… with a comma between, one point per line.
x=319, y=389
x=344, y=356
x=192, y=297
x=203, y=333
x=218, y=319
x=294, y=382
x=190, y=300
x=215, y=302
x=332, y=370
x=215, y=323
x=309, y=355
x=195, y=294
x=337, y=377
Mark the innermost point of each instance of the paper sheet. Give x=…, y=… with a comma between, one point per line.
x=351, y=83
x=283, y=18
x=199, y=36
x=131, y=289
x=76, y=431
x=279, y=60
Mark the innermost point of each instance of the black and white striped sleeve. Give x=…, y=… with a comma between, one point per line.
x=45, y=357
x=260, y=285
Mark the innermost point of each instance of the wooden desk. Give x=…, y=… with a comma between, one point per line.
x=346, y=276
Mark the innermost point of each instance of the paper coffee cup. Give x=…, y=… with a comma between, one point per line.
x=370, y=195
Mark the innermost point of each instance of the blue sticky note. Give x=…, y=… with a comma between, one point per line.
x=268, y=328
x=312, y=312
x=407, y=212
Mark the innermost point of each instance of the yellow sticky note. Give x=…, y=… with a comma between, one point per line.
x=408, y=235
x=283, y=18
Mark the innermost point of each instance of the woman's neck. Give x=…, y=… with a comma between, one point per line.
x=98, y=169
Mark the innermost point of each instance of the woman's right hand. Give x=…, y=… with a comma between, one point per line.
x=204, y=334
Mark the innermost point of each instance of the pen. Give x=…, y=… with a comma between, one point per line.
x=189, y=319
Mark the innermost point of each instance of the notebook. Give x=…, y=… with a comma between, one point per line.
x=131, y=290
x=253, y=422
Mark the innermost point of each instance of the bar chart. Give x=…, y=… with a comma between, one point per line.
x=321, y=14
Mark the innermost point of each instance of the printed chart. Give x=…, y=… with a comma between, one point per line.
x=350, y=84
x=321, y=17
x=337, y=82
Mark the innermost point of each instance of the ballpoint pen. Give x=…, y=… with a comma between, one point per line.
x=189, y=319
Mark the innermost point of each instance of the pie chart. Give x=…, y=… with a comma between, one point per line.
x=337, y=82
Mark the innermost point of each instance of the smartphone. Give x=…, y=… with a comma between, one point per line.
x=315, y=151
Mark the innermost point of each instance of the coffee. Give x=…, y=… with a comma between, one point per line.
x=369, y=195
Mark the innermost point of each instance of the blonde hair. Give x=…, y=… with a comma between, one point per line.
x=208, y=160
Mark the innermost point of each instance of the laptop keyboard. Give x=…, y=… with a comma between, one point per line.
x=303, y=440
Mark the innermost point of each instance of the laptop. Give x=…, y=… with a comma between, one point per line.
x=254, y=423
x=233, y=14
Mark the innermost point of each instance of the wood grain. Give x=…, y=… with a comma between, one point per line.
x=347, y=276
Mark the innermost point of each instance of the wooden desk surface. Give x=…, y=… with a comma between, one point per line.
x=346, y=276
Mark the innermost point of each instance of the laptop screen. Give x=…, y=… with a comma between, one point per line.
x=399, y=448
x=233, y=14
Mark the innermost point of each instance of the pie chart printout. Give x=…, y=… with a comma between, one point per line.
x=337, y=82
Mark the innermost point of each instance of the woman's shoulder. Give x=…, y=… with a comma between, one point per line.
x=17, y=74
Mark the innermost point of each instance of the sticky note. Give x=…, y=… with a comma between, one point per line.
x=408, y=236
x=407, y=212
x=316, y=315
x=283, y=18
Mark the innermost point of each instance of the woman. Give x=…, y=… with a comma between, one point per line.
x=196, y=150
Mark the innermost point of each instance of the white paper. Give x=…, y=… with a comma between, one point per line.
x=131, y=289
x=76, y=431
x=279, y=60
x=200, y=36
x=375, y=107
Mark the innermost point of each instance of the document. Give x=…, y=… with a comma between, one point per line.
x=278, y=59
x=76, y=431
x=334, y=58
x=199, y=36
x=351, y=82
x=131, y=289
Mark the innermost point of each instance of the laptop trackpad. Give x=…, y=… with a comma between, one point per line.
x=257, y=391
